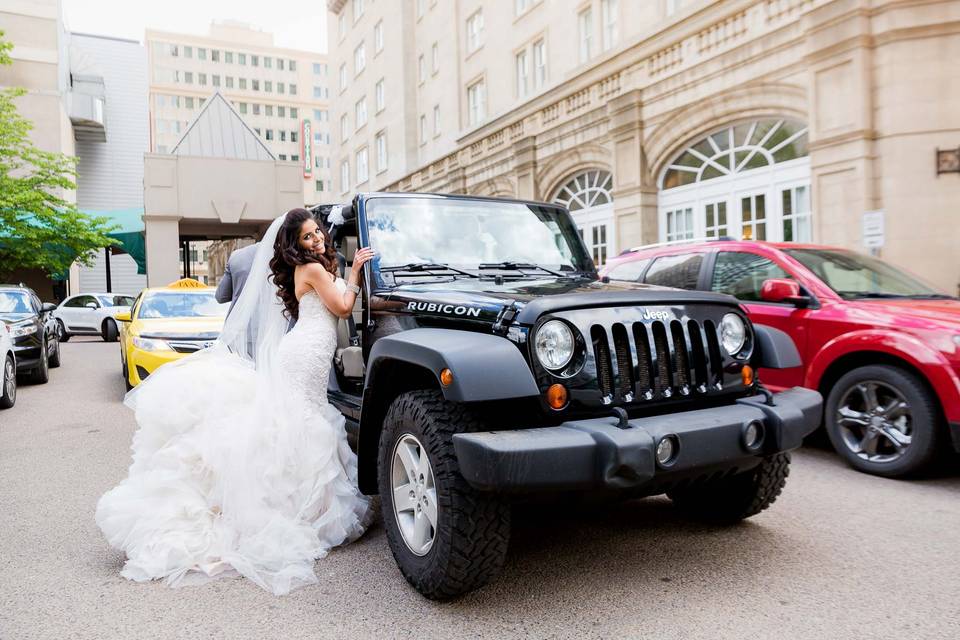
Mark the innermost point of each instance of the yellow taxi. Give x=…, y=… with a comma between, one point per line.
x=165, y=324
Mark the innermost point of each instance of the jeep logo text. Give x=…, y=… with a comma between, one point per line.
x=662, y=316
x=449, y=309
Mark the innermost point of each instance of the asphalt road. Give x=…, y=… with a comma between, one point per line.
x=839, y=555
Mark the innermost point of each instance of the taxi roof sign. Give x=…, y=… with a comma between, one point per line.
x=187, y=283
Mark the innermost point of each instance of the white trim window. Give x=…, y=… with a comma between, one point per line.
x=379, y=96
x=423, y=129
x=360, y=112
x=341, y=25
x=343, y=76
x=421, y=69
x=475, y=31
x=476, y=103
x=435, y=58
x=378, y=37
x=357, y=9
x=523, y=74
x=610, y=10
x=344, y=127
x=680, y=224
x=436, y=120
x=344, y=176
x=716, y=219
x=381, y=144
x=797, y=218
x=363, y=173
x=670, y=6
x=521, y=6
x=540, y=64
x=585, y=23
x=359, y=59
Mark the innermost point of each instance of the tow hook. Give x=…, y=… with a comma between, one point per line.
x=622, y=417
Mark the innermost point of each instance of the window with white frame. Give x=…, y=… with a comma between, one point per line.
x=421, y=8
x=476, y=103
x=345, y=176
x=359, y=59
x=540, y=64
x=522, y=65
x=360, y=112
x=796, y=216
x=715, y=219
x=521, y=6
x=421, y=69
x=357, y=9
x=344, y=127
x=423, y=129
x=362, y=170
x=475, y=31
x=380, y=96
x=610, y=10
x=381, y=144
x=436, y=120
x=670, y=7
x=378, y=37
x=343, y=76
x=585, y=22
x=435, y=58
x=680, y=224
x=342, y=24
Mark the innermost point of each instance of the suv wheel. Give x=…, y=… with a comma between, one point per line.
x=62, y=334
x=446, y=537
x=110, y=332
x=882, y=420
x=8, y=394
x=41, y=375
x=55, y=358
x=732, y=499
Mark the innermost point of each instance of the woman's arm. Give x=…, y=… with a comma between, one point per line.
x=340, y=304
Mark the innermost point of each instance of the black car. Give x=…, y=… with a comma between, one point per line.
x=32, y=330
x=486, y=362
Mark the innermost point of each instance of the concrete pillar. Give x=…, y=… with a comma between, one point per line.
x=634, y=195
x=163, y=244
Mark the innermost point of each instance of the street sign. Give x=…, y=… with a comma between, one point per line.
x=306, y=148
x=873, y=229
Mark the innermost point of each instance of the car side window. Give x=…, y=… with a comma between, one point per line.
x=680, y=271
x=76, y=301
x=35, y=302
x=741, y=274
x=630, y=271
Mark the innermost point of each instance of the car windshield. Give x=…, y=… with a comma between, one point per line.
x=853, y=275
x=115, y=301
x=14, y=302
x=169, y=304
x=468, y=233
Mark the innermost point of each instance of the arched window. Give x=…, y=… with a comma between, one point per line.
x=737, y=149
x=586, y=190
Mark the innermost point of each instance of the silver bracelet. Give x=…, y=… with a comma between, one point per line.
x=354, y=288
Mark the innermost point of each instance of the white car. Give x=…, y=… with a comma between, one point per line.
x=8, y=369
x=91, y=314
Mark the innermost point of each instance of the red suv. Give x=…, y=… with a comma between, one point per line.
x=880, y=345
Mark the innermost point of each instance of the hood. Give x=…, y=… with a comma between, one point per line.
x=180, y=327
x=925, y=313
x=10, y=318
x=537, y=296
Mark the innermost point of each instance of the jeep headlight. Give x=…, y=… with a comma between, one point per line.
x=733, y=333
x=554, y=344
x=20, y=330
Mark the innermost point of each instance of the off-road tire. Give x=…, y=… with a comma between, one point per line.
x=55, y=358
x=738, y=497
x=41, y=375
x=7, y=400
x=110, y=331
x=473, y=528
x=62, y=334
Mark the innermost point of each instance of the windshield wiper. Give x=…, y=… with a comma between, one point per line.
x=930, y=296
x=517, y=266
x=426, y=266
x=871, y=294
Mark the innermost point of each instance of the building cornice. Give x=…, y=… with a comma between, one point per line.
x=335, y=6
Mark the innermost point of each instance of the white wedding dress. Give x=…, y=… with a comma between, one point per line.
x=239, y=468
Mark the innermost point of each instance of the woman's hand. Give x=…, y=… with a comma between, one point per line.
x=360, y=258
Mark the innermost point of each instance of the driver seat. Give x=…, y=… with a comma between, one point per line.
x=348, y=358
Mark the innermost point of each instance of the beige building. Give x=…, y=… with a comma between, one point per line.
x=280, y=93
x=665, y=120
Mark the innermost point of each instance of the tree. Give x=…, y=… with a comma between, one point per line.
x=39, y=228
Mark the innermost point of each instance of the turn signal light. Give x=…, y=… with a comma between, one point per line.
x=446, y=377
x=747, y=375
x=557, y=396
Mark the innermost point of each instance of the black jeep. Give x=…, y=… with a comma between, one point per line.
x=486, y=362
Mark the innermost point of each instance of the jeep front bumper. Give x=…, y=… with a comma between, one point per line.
x=597, y=454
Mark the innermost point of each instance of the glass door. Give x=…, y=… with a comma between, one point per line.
x=753, y=216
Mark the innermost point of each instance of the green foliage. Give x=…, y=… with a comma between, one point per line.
x=39, y=228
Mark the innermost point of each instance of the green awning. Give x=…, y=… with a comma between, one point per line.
x=130, y=232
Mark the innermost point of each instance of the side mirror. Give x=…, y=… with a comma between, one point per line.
x=783, y=290
x=123, y=316
x=47, y=307
x=91, y=305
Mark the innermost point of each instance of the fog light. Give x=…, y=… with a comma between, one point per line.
x=446, y=377
x=747, y=375
x=753, y=435
x=667, y=450
x=557, y=396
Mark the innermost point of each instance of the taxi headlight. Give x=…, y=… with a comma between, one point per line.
x=151, y=344
x=733, y=333
x=554, y=344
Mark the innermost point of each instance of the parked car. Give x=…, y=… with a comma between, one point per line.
x=486, y=362
x=8, y=369
x=33, y=330
x=880, y=345
x=91, y=314
x=165, y=324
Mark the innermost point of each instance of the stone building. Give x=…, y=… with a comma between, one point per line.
x=665, y=120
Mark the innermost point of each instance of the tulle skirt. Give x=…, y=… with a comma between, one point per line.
x=231, y=473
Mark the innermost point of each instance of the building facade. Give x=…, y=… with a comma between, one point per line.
x=281, y=93
x=664, y=121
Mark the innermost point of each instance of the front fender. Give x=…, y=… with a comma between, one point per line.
x=485, y=367
x=929, y=362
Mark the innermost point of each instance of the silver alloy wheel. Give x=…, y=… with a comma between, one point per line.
x=414, y=494
x=10, y=378
x=875, y=421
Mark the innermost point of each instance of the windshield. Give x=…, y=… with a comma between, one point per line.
x=115, y=301
x=14, y=302
x=853, y=275
x=168, y=304
x=467, y=233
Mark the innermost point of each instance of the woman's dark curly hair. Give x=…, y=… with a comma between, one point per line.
x=288, y=254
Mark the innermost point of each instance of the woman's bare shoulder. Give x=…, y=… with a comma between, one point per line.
x=315, y=271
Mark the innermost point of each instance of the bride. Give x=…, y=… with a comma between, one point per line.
x=239, y=463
